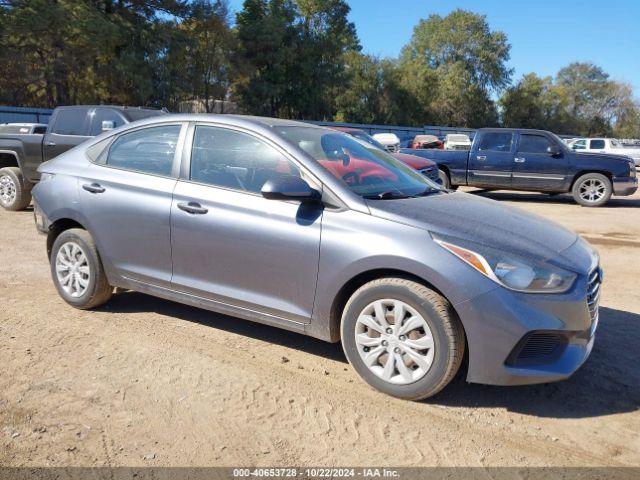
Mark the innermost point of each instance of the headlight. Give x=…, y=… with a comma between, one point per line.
x=508, y=270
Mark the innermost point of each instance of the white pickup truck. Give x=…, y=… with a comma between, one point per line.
x=457, y=141
x=605, y=145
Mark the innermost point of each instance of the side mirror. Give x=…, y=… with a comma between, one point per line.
x=108, y=125
x=554, y=150
x=289, y=188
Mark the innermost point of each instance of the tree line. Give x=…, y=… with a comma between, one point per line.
x=293, y=59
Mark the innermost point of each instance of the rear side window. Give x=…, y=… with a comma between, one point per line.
x=236, y=160
x=104, y=115
x=579, y=145
x=496, y=141
x=71, y=121
x=533, y=143
x=150, y=150
x=597, y=144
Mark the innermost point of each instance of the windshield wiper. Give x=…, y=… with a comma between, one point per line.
x=428, y=191
x=386, y=195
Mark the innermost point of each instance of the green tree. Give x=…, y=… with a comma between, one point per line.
x=291, y=56
x=456, y=62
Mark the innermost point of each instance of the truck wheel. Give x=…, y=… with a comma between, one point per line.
x=446, y=181
x=15, y=192
x=77, y=271
x=402, y=338
x=592, y=190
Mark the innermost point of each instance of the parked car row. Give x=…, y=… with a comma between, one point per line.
x=317, y=231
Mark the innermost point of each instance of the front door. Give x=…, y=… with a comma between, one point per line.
x=491, y=163
x=535, y=168
x=127, y=197
x=232, y=246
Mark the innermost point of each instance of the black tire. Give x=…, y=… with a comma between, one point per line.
x=446, y=181
x=447, y=332
x=98, y=290
x=581, y=185
x=21, y=194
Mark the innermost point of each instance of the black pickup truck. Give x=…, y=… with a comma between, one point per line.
x=22, y=153
x=534, y=160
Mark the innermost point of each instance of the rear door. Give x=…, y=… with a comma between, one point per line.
x=491, y=160
x=535, y=168
x=231, y=245
x=127, y=194
x=70, y=127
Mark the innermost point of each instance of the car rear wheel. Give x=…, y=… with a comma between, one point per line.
x=15, y=193
x=77, y=270
x=592, y=190
x=402, y=338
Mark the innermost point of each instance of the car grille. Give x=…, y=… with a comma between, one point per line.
x=593, y=293
x=431, y=173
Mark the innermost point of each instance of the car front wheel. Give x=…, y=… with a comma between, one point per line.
x=403, y=338
x=592, y=190
x=77, y=270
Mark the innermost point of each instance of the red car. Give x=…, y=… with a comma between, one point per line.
x=427, y=167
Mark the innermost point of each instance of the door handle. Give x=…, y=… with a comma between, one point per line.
x=481, y=157
x=93, y=187
x=193, y=207
x=49, y=143
x=519, y=160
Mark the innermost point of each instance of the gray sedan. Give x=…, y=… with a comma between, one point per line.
x=303, y=228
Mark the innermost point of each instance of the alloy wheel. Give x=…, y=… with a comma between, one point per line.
x=7, y=190
x=592, y=190
x=394, y=341
x=72, y=269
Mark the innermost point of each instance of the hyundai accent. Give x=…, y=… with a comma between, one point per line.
x=304, y=228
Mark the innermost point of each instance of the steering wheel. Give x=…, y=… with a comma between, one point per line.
x=351, y=178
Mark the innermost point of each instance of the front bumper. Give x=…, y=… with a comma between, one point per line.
x=509, y=335
x=625, y=186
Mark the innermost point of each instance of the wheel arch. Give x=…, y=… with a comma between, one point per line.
x=59, y=226
x=348, y=289
x=584, y=172
x=9, y=158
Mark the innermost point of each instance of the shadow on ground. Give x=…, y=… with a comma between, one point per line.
x=608, y=383
x=615, y=202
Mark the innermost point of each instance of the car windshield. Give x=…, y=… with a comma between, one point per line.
x=370, y=173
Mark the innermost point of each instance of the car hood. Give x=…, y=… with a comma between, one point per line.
x=415, y=162
x=622, y=157
x=479, y=220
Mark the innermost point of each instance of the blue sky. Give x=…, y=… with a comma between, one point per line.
x=545, y=35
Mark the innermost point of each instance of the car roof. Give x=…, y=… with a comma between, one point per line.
x=521, y=130
x=229, y=119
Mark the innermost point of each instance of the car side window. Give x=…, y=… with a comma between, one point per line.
x=236, y=160
x=533, y=143
x=104, y=115
x=597, y=144
x=496, y=142
x=579, y=145
x=149, y=150
x=71, y=121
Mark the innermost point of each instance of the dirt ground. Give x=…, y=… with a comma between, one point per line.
x=145, y=381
